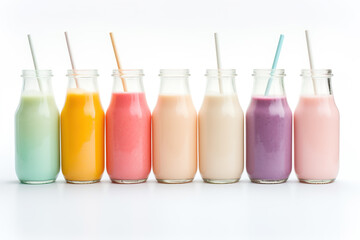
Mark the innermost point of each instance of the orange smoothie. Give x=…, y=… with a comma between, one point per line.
x=82, y=137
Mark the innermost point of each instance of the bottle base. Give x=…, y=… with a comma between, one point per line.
x=266, y=181
x=317, y=181
x=35, y=182
x=221, y=181
x=83, y=182
x=174, y=181
x=129, y=181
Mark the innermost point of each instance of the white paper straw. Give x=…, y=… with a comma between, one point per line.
x=218, y=61
x=34, y=61
x=71, y=58
x=310, y=60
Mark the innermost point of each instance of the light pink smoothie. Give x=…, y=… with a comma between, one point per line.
x=316, y=139
x=128, y=137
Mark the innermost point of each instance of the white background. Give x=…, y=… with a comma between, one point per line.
x=158, y=34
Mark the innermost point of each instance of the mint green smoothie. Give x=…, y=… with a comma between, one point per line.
x=37, y=139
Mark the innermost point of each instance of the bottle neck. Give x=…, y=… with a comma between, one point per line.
x=128, y=81
x=269, y=83
x=220, y=82
x=316, y=82
x=174, y=82
x=37, y=82
x=84, y=80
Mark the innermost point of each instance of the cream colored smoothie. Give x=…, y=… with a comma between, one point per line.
x=221, y=139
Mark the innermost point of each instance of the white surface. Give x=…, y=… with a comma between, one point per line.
x=190, y=211
x=156, y=34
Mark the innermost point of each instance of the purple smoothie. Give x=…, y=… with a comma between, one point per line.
x=268, y=139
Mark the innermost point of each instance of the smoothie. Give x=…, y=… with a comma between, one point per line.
x=174, y=139
x=37, y=139
x=82, y=137
x=128, y=138
x=221, y=139
x=316, y=136
x=268, y=139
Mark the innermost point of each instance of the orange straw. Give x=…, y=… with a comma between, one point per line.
x=118, y=61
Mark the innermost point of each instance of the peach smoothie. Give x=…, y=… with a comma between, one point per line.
x=82, y=137
x=174, y=131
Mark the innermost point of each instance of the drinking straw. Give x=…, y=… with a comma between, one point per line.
x=118, y=61
x=218, y=61
x=310, y=60
x=34, y=61
x=273, y=68
x=71, y=59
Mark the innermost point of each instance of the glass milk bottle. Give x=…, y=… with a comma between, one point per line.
x=82, y=129
x=37, y=156
x=128, y=130
x=221, y=129
x=268, y=130
x=174, y=129
x=316, y=129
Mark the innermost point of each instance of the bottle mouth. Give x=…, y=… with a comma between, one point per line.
x=220, y=73
x=29, y=73
x=82, y=73
x=127, y=73
x=269, y=72
x=174, y=73
x=317, y=73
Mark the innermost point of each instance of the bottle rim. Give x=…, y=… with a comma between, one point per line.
x=269, y=72
x=174, y=73
x=31, y=73
x=127, y=73
x=316, y=73
x=83, y=73
x=220, y=73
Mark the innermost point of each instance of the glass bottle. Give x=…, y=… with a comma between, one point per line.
x=221, y=129
x=268, y=129
x=128, y=130
x=82, y=129
x=37, y=154
x=316, y=129
x=174, y=129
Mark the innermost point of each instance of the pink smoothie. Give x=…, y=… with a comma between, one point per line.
x=316, y=139
x=128, y=137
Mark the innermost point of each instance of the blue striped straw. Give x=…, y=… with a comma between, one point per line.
x=273, y=68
